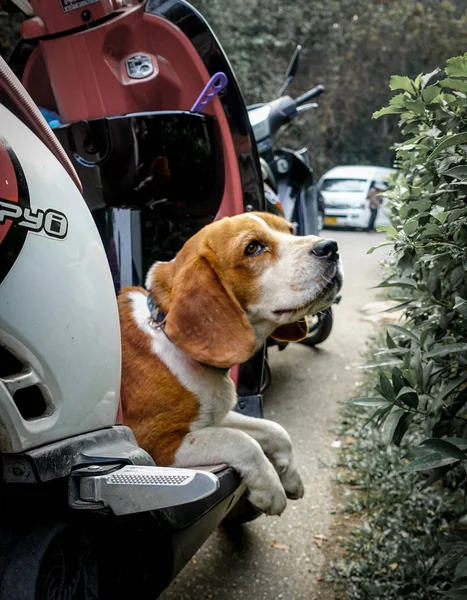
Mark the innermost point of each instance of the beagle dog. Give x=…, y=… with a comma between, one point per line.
x=236, y=282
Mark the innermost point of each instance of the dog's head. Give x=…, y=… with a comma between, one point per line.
x=239, y=280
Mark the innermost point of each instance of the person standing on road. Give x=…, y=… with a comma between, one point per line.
x=374, y=196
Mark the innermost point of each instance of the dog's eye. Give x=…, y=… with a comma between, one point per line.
x=254, y=248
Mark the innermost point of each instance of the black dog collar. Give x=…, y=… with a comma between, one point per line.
x=158, y=316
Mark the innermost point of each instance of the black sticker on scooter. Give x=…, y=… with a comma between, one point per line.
x=51, y=222
x=68, y=5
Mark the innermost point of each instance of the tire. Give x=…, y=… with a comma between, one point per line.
x=242, y=512
x=48, y=562
x=320, y=331
x=320, y=221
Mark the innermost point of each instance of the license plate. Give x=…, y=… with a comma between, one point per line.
x=330, y=220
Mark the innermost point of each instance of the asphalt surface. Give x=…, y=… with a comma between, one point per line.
x=278, y=557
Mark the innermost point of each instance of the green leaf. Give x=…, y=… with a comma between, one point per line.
x=426, y=78
x=456, y=213
x=389, y=341
x=389, y=363
x=386, y=386
x=399, y=82
x=408, y=396
x=457, y=593
x=451, y=140
x=402, y=427
x=399, y=101
x=454, y=84
x=406, y=332
x=459, y=442
x=397, y=306
x=387, y=110
x=444, y=447
x=397, y=284
x=456, y=66
x=461, y=568
x=430, y=93
x=429, y=461
x=417, y=365
x=427, y=370
x=390, y=424
x=459, y=172
x=446, y=392
x=370, y=402
x=382, y=414
x=441, y=216
x=373, y=248
x=411, y=376
x=446, y=349
x=411, y=226
x=416, y=106
x=398, y=381
x=389, y=230
x=404, y=282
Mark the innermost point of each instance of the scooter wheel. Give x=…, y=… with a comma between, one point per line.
x=48, y=562
x=320, y=329
x=242, y=512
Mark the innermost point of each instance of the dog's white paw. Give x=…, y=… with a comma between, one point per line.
x=272, y=501
x=290, y=479
x=296, y=490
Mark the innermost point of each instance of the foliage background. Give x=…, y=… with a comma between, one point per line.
x=352, y=48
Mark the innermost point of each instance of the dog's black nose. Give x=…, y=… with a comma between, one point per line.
x=326, y=249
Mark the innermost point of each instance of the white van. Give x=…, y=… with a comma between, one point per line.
x=345, y=194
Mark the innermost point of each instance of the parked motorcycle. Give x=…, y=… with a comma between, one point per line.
x=85, y=513
x=288, y=177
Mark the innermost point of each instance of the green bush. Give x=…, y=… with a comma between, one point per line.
x=423, y=366
x=396, y=552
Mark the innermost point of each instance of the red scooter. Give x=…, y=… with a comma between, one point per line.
x=101, y=65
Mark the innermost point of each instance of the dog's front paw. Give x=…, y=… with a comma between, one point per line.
x=290, y=479
x=271, y=502
x=296, y=490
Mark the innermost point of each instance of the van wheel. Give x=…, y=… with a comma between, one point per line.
x=320, y=220
x=48, y=562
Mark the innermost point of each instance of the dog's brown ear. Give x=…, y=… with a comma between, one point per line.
x=293, y=332
x=205, y=320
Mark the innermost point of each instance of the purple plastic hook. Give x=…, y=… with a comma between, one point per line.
x=217, y=83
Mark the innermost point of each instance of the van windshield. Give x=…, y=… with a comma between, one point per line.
x=344, y=185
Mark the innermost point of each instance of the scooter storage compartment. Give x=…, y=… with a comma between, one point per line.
x=168, y=162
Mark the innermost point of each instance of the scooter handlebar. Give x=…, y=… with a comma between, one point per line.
x=307, y=96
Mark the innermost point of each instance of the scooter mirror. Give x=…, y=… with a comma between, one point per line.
x=291, y=71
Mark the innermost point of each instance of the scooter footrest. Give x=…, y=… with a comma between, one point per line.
x=134, y=489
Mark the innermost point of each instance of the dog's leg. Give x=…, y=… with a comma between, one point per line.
x=276, y=444
x=214, y=445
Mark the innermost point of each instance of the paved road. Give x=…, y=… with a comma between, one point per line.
x=277, y=557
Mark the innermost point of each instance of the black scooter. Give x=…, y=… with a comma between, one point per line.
x=288, y=176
